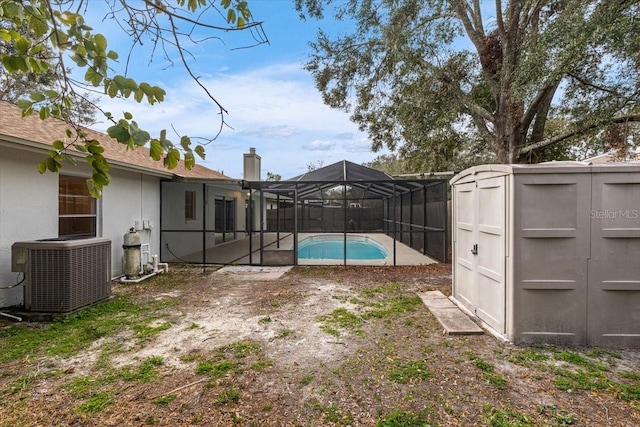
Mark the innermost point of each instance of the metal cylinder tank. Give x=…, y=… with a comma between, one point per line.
x=132, y=254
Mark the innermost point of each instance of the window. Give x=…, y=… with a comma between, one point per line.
x=190, y=205
x=76, y=208
x=225, y=215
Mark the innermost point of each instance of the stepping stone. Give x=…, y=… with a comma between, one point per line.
x=254, y=272
x=454, y=320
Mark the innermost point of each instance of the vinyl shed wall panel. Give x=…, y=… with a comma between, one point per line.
x=551, y=248
x=614, y=267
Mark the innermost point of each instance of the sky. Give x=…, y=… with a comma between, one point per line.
x=272, y=102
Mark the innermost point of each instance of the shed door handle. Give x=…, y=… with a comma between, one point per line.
x=474, y=250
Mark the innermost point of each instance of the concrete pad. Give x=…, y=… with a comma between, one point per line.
x=454, y=320
x=248, y=272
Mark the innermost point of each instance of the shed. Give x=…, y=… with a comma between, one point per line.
x=550, y=253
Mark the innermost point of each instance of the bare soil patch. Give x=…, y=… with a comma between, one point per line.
x=320, y=346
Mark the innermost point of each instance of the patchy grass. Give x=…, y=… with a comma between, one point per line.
x=96, y=403
x=242, y=348
x=284, y=333
x=70, y=334
x=398, y=371
x=228, y=396
x=331, y=413
x=340, y=319
x=215, y=370
x=401, y=418
x=306, y=380
x=409, y=371
x=165, y=400
x=264, y=320
x=505, y=417
x=145, y=373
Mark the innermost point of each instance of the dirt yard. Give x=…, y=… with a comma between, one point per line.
x=316, y=347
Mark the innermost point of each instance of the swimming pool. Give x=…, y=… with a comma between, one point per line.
x=332, y=247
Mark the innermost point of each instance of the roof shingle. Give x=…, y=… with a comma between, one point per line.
x=43, y=132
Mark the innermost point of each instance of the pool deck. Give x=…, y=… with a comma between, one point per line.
x=236, y=252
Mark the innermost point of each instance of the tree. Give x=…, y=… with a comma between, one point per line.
x=391, y=164
x=42, y=37
x=449, y=79
x=274, y=177
x=14, y=86
x=318, y=164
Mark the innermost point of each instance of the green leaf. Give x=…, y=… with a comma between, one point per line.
x=69, y=159
x=112, y=55
x=172, y=158
x=80, y=60
x=155, y=150
x=22, y=45
x=9, y=64
x=189, y=160
x=112, y=89
x=52, y=165
x=45, y=112
x=42, y=166
x=200, y=151
x=119, y=133
x=92, y=77
x=58, y=145
x=159, y=93
x=100, y=178
x=138, y=95
x=128, y=116
x=89, y=46
x=13, y=10
x=24, y=104
x=100, y=42
x=95, y=190
x=119, y=80
x=4, y=35
x=146, y=88
x=185, y=142
x=140, y=137
x=231, y=16
x=39, y=26
x=95, y=149
x=37, y=96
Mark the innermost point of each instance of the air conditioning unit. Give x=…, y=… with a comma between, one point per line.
x=63, y=275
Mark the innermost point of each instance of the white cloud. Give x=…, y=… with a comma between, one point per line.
x=270, y=132
x=319, y=145
x=275, y=109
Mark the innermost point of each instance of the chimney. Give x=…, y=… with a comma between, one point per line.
x=251, y=166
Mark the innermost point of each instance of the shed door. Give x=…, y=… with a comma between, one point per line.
x=480, y=249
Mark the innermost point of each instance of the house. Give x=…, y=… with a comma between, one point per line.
x=36, y=206
x=613, y=157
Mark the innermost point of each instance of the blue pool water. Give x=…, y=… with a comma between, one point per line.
x=332, y=247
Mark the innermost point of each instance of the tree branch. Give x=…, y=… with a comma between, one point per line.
x=156, y=6
x=556, y=139
x=544, y=96
x=593, y=85
x=223, y=110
